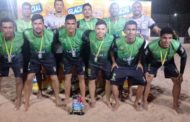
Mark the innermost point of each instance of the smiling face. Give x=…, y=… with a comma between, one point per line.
x=137, y=9
x=101, y=31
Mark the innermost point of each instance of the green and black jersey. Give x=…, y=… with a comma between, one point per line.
x=71, y=45
x=15, y=45
x=99, y=50
x=154, y=54
x=39, y=44
x=128, y=54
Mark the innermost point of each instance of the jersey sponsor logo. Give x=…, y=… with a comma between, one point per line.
x=121, y=48
x=182, y=50
x=113, y=77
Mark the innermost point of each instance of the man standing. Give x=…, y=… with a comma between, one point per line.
x=25, y=22
x=70, y=39
x=144, y=23
x=114, y=22
x=127, y=62
x=99, y=42
x=160, y=53
x=11, y=47
x=57, y=20
x=39, y=42
x=88, y=22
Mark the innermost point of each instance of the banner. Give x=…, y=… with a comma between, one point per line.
x=100, y=7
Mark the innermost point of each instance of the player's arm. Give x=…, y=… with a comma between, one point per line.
x=182, y=53
x=85, y=50
x=146, y=57
x=26, y=51
x=140, y=56
x=113, y=54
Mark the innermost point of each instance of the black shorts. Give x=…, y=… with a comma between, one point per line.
x=94, y=69
x=48, y=62
x=170, y=70
x=135, y=76
x=16, y=65
x=69, y=65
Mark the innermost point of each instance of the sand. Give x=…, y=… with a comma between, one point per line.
x=44, y=110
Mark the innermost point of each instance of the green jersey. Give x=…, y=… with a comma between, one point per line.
x=37, y=44
x=14, y=46
x=99, y=49
x=155, y=56
x=128, y=54
x=22, y=25
x=116, y=27
x=71, y=45
x=87, y=25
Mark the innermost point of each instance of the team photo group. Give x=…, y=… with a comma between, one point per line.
x=121, y=49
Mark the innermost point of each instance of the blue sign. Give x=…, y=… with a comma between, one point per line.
x=75, y=10
x=37, y=8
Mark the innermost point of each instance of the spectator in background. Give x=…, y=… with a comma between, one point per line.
x=144, y=23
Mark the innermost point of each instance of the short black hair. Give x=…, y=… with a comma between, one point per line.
x=70, y=17
x=101, y=22
x=58, y=0
x=86, y=4
x=6, y=19
x=26, y=4
x=37, y=16
x=166, y=30
x=130, y=22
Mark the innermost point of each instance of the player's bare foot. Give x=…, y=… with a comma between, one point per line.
x=26, y=106
x=108, y=103
x=17, y=104
x=145, y=105
x=115, y=106
x=92, y=104
x=66, y=102
x=178, y=110
x=58, y=102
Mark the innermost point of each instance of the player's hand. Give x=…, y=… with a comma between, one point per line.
x=149, y=76
x=180, y=77
x=114, y=65
x=139, y=65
